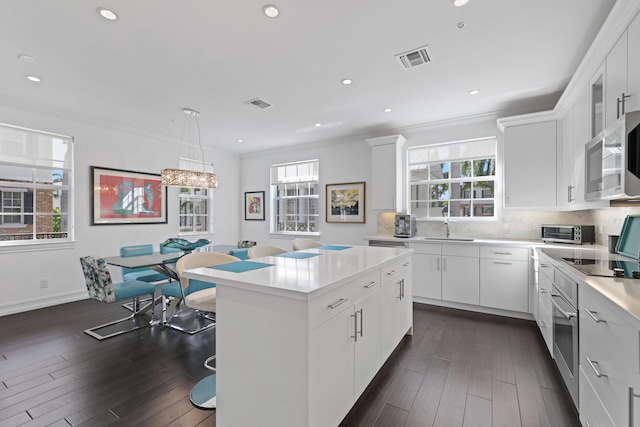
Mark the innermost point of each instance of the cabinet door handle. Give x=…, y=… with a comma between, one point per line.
x=503, y=253
x=406, y=264
x=402, y=287
x=621, y=104
x=595, y=318
x=361, y=321
x=355, y=326
x=392, y=272
x=444, y=264
x=569, y=193
x=502, y=262
x=632, y=395
x=399, y=283
x=340, y=302
x=438, y=264
x=370, y=285
x=619, y=101
x=593, y=364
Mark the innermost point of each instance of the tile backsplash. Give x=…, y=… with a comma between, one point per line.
x=524, y=225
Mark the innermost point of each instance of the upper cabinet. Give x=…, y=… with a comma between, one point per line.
x=387, y=173
x=530, y=164
x=616, y=92
x=633, y=65
x=597, y=101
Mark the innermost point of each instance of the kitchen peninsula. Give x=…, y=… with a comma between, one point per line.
x=298, y=340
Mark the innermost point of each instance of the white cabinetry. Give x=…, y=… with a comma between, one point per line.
x=546, y=273
x=387, y=166
x=397, y=312
x=427, y=275
x=461, y=273
x=608, y=358
x=567, y=187
x=504, y=278
x=615, y=90
x=529, y=165
x=633, y=65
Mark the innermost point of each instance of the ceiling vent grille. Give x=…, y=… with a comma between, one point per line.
x=259, y=103
x=414, y=58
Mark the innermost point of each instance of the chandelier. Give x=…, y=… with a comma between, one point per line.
x=185, y=177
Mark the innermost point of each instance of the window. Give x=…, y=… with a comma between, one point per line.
x=295, y=198
x=36, y=170
x=195, y=202
x=453, y=180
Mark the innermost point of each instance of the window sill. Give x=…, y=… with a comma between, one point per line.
x=293, y=234
x=14, y=246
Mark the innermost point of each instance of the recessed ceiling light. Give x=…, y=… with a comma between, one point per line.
x=461, y=25
x=387, y=110
x=240, y=140
x=458, y=3
x=25, y=58
x=33, y=78
x=271, y=11
x=347, y=81
x=474, y=92
x=318, y=125
x=107, y=14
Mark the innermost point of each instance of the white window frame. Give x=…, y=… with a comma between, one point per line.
x=420, y=157
x=30, y=162
x=204, y=195
x=301, y=179
x=3, y=209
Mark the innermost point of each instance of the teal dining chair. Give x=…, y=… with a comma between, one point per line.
x=143, y=274
x=101, y=288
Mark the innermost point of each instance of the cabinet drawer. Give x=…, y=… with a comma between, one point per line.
x=545, y=319
x=472, y=251
x=366, y=285
x=328, y=305
x=390, y=271
x=592, y=412
x=504, y=252
x=547, y=269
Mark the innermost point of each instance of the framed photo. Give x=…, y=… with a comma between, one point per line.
x=126, y=197
x=346, y=202
x=254, y=205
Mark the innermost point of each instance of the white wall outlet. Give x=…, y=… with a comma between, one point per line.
x=44, y=283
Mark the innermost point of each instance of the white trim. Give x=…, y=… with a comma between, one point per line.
x=42, y=302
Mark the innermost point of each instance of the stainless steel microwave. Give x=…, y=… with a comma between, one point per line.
x=612, y=161
x=575, y=234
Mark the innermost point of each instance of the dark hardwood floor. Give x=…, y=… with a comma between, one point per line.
x=458, y=369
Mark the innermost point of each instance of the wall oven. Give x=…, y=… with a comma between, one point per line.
x=564, y=297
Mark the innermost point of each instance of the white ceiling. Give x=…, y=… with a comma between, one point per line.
x=163, y=55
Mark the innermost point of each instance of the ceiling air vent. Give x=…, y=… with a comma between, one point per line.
x=259, y=103
x=414, y=58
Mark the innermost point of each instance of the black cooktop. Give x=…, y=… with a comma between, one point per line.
x=606, y=267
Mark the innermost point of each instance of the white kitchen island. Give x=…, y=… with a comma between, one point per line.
x=298, y=342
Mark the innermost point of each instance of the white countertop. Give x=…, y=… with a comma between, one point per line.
x=623, y=292
x=303, y=279
x=453, y=239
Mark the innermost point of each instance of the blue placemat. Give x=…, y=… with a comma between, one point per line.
x=333, y=247
x=299, y=255
x=240, y=266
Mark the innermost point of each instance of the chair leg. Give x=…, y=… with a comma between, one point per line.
x=203, y=394
x=92, y=331
x=208, y=316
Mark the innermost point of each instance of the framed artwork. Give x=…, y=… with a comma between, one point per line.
x=346, y=202
x=254, y=205
x=126, y=197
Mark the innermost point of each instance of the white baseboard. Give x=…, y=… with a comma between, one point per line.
x=35, y=303
x=476, y=308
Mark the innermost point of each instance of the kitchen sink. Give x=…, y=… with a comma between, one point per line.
x=448, y=239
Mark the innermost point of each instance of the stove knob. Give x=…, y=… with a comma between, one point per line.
x=635, y=274
x=618, y=272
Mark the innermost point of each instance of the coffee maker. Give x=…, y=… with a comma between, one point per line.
x=405, y=225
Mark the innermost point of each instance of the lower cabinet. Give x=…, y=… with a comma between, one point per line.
x=504, y=278
x=427, y=274
x=461, y=274
x=609, y=358
x=347, y=350
x=545, y=307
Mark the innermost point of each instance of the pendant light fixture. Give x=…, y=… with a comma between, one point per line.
x=190, y=178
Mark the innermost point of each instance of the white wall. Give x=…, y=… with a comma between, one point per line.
x=101, y=145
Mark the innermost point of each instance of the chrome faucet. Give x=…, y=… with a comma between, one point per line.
x=446, y=226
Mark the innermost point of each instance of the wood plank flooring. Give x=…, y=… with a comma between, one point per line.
x=458, y=369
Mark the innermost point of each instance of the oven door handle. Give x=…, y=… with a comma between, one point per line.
x=565, y=314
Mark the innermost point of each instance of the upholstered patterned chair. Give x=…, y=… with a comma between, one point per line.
x=302, y=243
x=264, y=250
x=101, y=288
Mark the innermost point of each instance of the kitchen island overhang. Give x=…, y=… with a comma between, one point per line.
x=298, y=341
